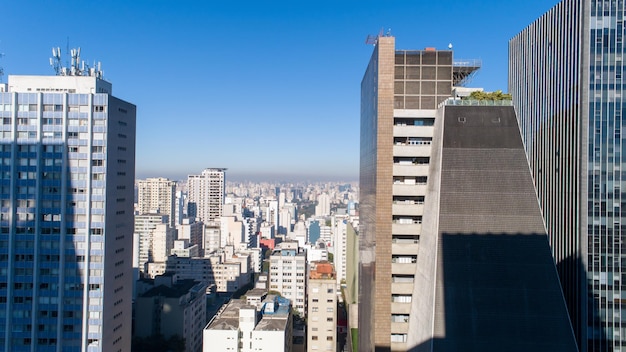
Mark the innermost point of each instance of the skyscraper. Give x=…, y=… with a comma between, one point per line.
x=566, y=77
x=206, y=194
x=66, y=229
x=399, y=94
x=157, y=195
x=453, y=252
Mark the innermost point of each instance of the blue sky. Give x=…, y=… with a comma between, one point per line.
x=268, y=89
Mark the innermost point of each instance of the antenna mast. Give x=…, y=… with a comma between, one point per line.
x=76, y=67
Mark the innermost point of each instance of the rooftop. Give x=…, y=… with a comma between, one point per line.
x=322, y=270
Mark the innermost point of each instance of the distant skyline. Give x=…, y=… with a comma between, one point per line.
x=269, y=90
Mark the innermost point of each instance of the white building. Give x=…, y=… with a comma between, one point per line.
x=242, y=326
x=157, y=195
x=192, y=231
x=322, y=308
x=340, y=231
x=145, y=226
x=323, y=205
x=288, y=274
x=206, y=194
x=182, y=248
x=68, y=153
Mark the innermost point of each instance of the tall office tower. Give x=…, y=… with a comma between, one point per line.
x=287, y=274
x=441, y=229
x=322, y=308
x=157, y=195
x=566, y=77
x=66, y=226
x=206, y=194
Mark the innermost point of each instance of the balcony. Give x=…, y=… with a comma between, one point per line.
x=405, y=189
x=407, y=208
x=401, y=308
x=404, y=247
x=403, y=268
x=412, y=131
x=410, y=169
x=400, y=149
x=406, y=229
x=402, y=288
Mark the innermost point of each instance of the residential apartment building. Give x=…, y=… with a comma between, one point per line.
x=157, y=195
x=173, y=308
x=67, y=147
x=206, y=194
x=566, y=76
x=288, y=274
x=154, y=239
x=246, y=326
x=322, y=308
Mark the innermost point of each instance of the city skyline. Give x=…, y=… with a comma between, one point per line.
x=277, y=81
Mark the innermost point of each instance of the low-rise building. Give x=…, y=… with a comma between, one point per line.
x=246, y=327
x=171, y=308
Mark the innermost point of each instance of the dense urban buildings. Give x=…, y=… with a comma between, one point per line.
x=448, y=211
x=566, y=77
x=206, y=194
x=66, y=229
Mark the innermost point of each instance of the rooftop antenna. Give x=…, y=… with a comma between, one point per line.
x=373, y=39
x=76, y=66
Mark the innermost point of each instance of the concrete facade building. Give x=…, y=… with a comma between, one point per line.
x=566, y=78
x=288, y=274
x=241, y=326
x=145, y=226
x=173, y=307
x=192, y=231
x=157, y=195
x=206, y=194
x=322, y=307
x=415, y=217
x=66, y=214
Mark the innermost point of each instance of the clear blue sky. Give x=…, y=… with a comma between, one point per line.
x=268, y=89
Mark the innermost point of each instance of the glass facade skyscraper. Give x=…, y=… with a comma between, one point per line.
x=566, y=78
x=67, y=156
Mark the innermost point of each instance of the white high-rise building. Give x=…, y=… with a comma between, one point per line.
x=323, y=205
x=206, y=194
x=145, y=226
x=157, y=195
x=288, y=274
x=67, y=150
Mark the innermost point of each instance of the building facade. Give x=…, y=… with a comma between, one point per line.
x=173, y=308
x=157, y=195
x=322, y=308
x=206, y=194
x=247, y=326
x=288, y=274
x=566, y=77
x=399, y=94
x=66, y=228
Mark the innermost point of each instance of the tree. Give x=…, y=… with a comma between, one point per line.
x=497, y=95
